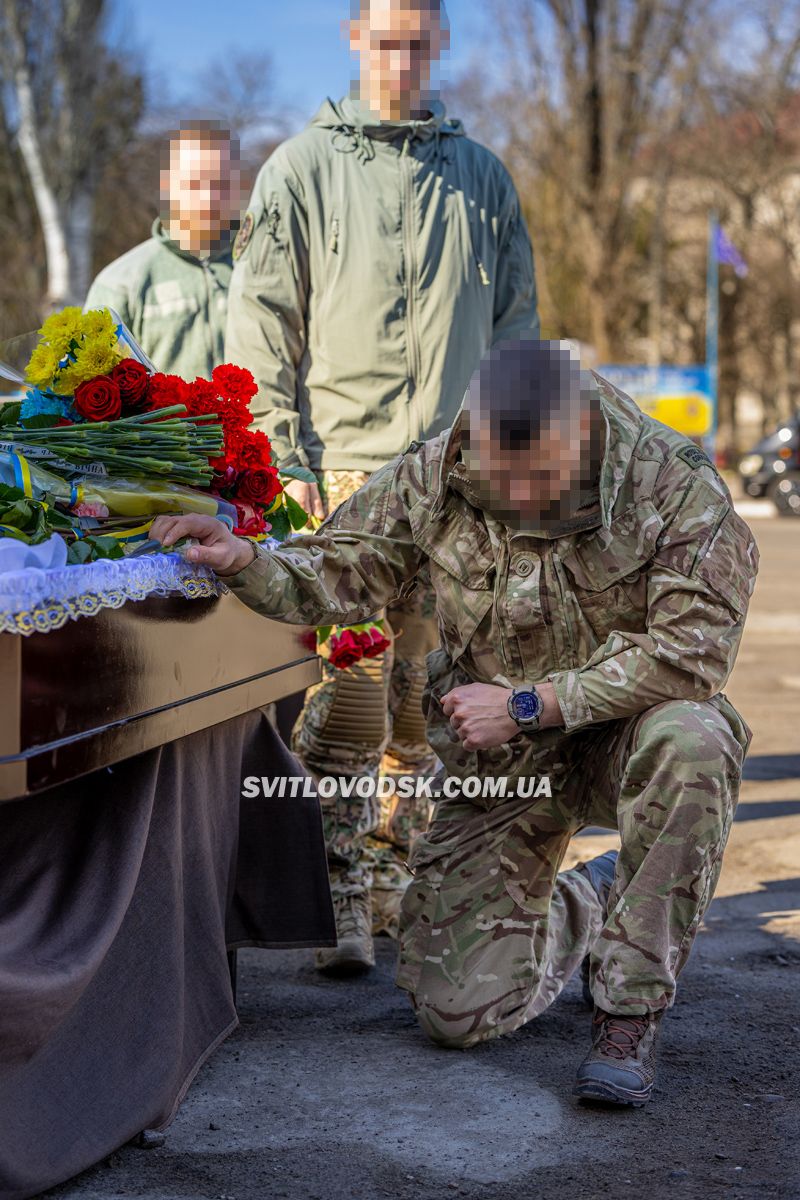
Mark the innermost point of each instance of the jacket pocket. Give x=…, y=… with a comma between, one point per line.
x=529, y=859
x=461, y=568
x=608, y=569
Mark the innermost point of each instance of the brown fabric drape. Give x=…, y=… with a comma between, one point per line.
x=119, y=894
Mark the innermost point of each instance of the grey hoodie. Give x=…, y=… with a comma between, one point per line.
x=377, y=263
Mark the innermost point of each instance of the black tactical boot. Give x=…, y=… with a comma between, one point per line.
x=600, y=872
x=620, y=1068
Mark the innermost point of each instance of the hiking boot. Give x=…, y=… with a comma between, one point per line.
x=620, y=1068
x=600, y=872
x=386, y=904
x=354, y=953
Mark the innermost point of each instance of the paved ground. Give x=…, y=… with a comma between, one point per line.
x=329, y=1090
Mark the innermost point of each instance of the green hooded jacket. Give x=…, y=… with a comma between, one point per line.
x=173, y=303
x=376, y=265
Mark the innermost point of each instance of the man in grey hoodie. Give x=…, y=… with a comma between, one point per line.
x=382, y=254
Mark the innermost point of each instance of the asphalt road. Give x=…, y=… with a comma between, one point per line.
x=329, y=1090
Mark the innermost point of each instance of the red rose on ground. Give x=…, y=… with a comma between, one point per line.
x=166, y=390
x=345, y=650
x=132, y=378
x=234, y=383
x=376, y=643
x=259, y=487
x=98, y=399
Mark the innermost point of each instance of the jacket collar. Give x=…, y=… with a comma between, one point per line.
x=160, y=234
x=623, y=421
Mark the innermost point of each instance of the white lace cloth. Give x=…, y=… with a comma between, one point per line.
x=36, y=600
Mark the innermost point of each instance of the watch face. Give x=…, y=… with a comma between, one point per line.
x=527, y=705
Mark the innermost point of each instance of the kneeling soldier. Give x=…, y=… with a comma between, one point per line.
x=592, y=581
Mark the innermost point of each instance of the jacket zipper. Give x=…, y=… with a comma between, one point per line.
x=411, y=281
x=209, y=331
x=483, y=274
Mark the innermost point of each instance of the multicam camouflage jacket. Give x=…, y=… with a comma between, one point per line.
x=639, y=599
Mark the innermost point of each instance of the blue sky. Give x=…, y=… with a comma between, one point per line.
x=302, y=37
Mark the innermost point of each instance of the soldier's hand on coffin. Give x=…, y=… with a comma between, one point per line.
x=220, y=549
x=479, y=714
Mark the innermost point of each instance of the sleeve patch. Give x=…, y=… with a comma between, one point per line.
x=244, y=235
x=695, y=457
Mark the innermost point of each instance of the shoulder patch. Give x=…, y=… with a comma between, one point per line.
x=244, y=235
x=695, y=457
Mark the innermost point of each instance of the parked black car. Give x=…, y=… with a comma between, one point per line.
x=772, y=468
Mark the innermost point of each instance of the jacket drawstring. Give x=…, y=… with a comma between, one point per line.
x=356, y=142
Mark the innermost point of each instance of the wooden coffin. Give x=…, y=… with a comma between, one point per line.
x=106, y=687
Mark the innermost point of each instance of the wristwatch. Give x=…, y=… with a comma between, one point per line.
x=525, y=706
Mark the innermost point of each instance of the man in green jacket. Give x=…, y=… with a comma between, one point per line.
x=172, y=290
x=383, y=252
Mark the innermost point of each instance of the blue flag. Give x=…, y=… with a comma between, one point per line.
x=727, y=253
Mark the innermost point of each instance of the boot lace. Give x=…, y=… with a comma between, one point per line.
x=620, y=1036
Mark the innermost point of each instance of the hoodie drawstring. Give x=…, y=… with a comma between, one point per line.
x=356, y=142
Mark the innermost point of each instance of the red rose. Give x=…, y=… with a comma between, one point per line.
x=345, y=650
x=166, y=390
x=234, y=383
x=376, y=643
x=259, y=487
x=98, y=399
x=132, y=378
x=308, y=640
x=251, y=521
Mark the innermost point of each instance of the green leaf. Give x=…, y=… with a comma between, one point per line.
x=298, y=517
x=9, y=493
x=11, y=532
x=20, y=514
x=304, y=474
x=107, y=547
x=40, y=421
x=79, y=552
x=324, y=632
x=10, y=412
x=281, y=527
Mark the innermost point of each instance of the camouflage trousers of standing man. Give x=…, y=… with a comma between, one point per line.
x=491, y=932
x=363, y=721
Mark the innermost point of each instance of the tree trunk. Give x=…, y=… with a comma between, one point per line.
x=59, y=291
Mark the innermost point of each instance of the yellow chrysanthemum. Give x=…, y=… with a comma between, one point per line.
x=98, y=323
x=42, y=366
x=67, y=381
x=90, y=361
x=62, y=328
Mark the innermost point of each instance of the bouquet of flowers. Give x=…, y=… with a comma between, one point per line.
x=116, y=441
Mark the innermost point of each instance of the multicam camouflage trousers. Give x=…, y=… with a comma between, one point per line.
x=365, y=720
x=490, y=932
